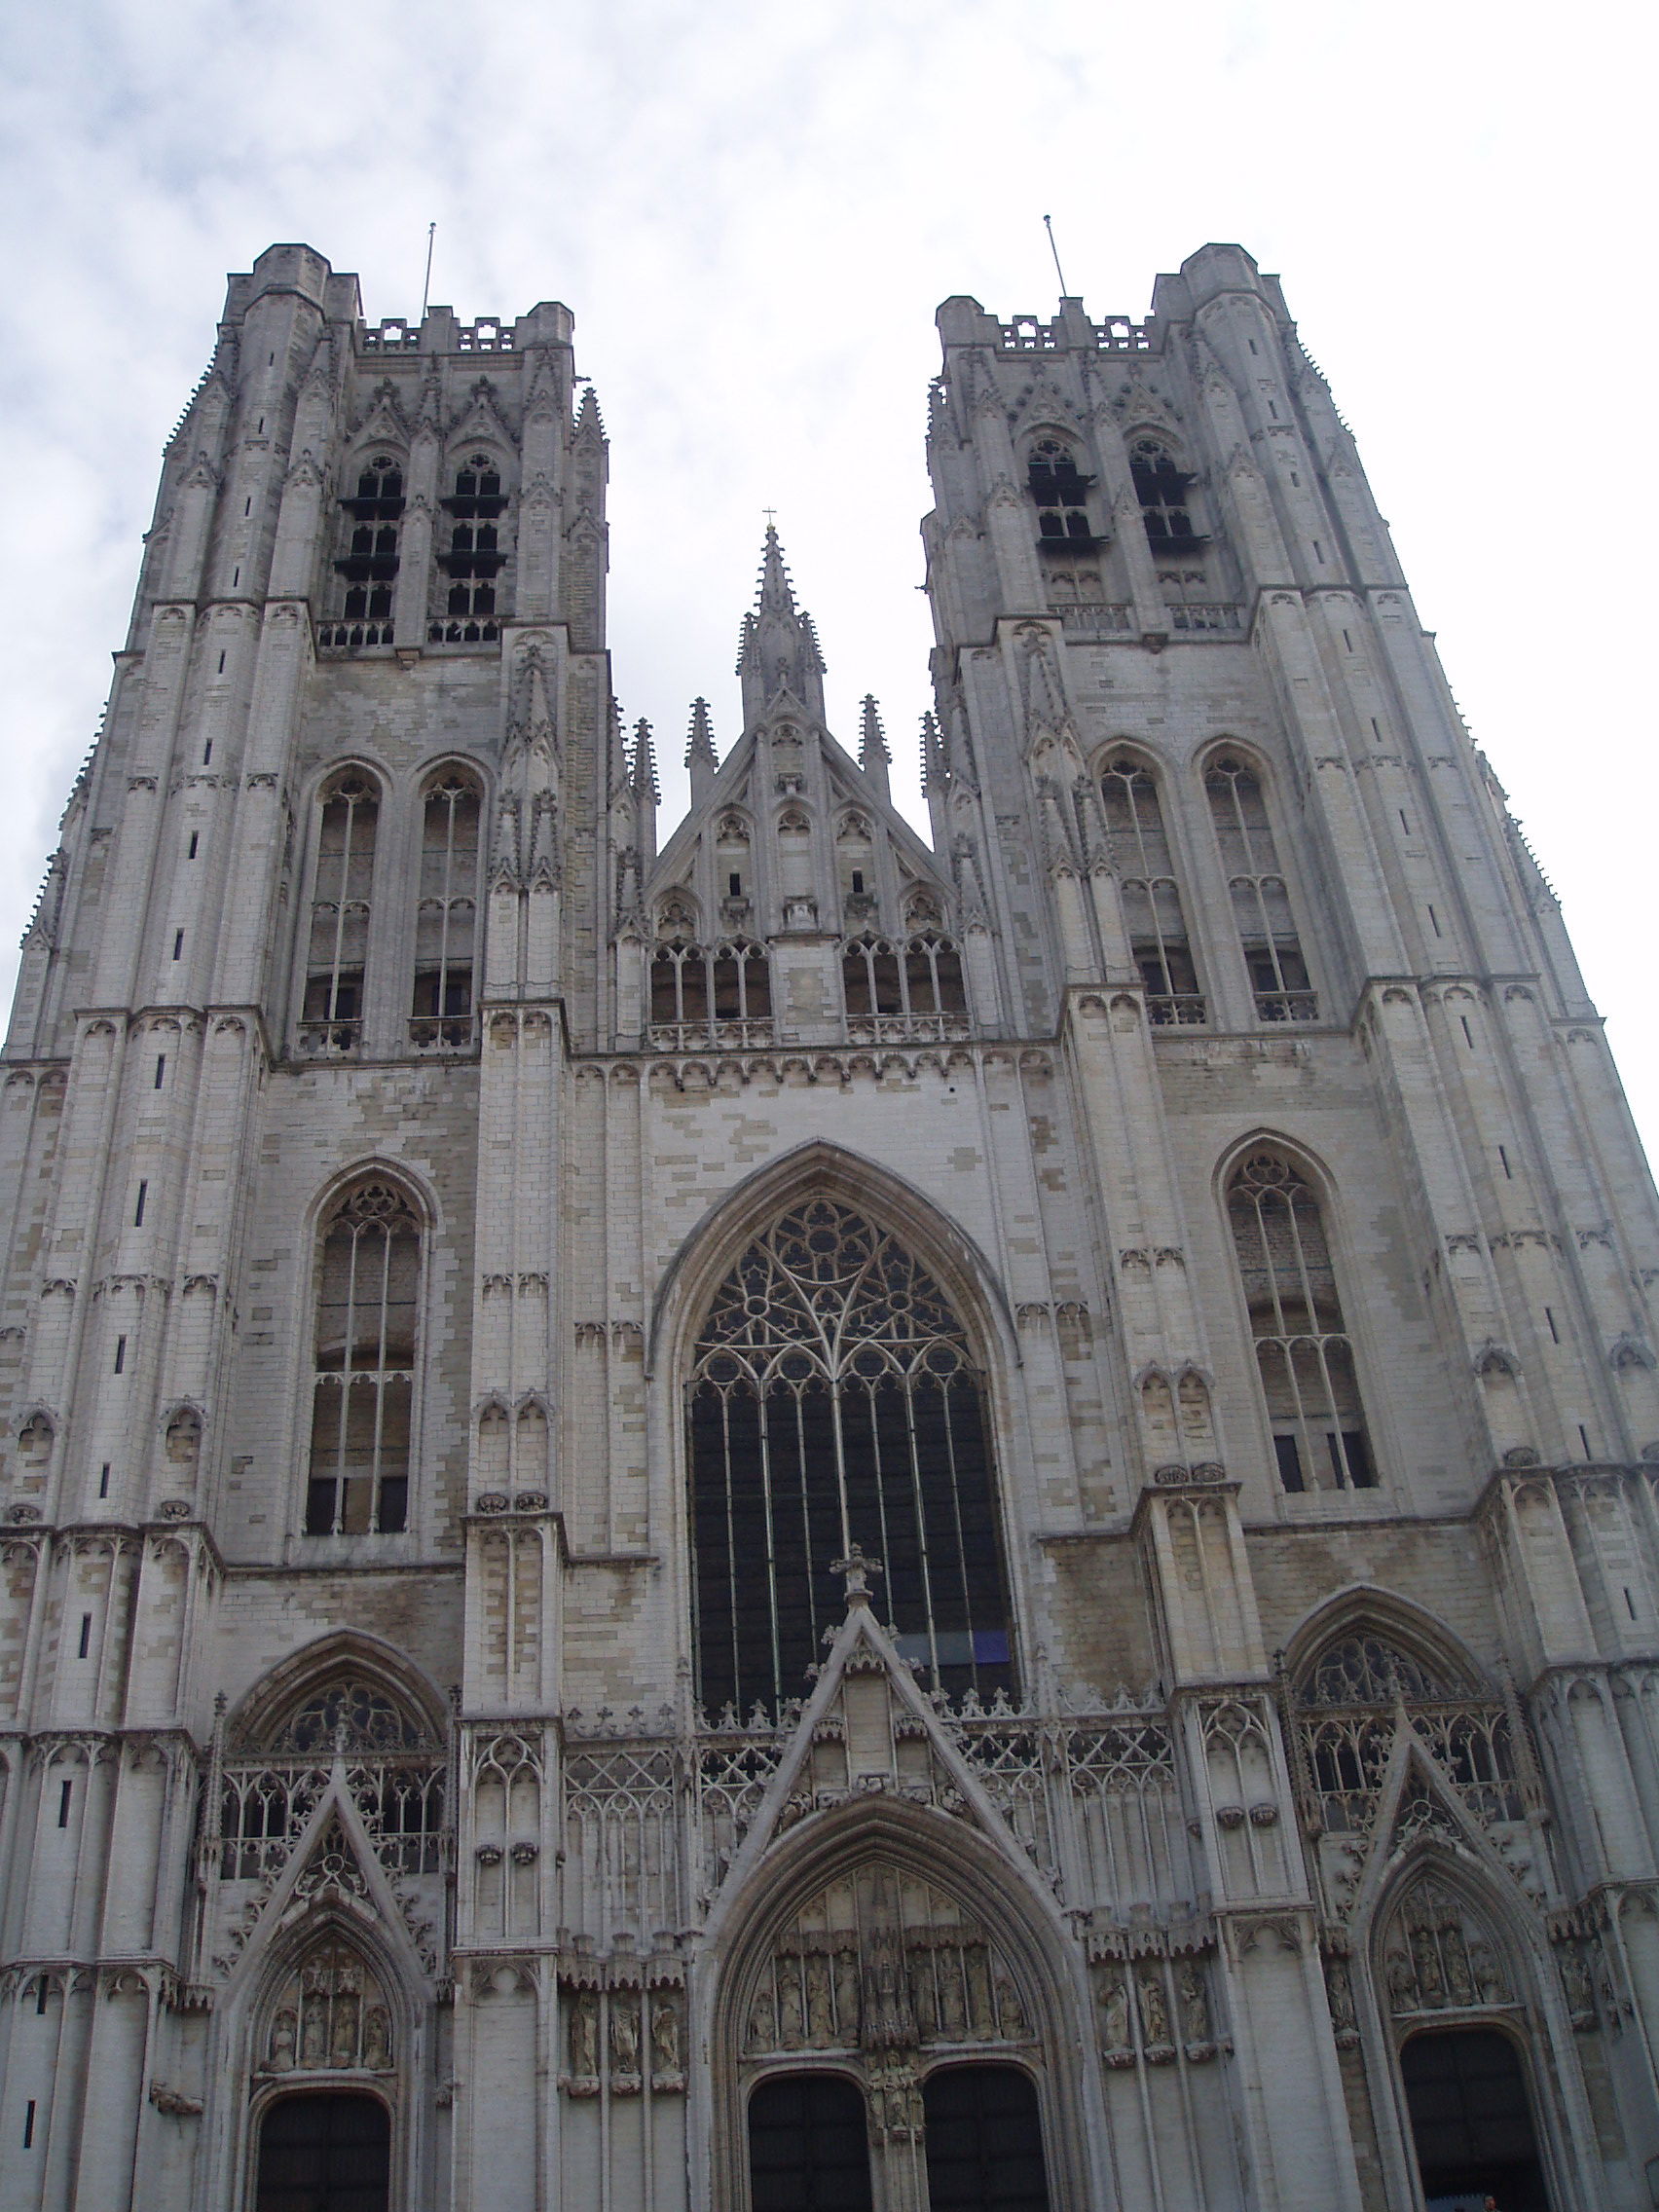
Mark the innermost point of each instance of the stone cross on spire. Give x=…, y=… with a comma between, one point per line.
x=778, y=651
x=857, y=1570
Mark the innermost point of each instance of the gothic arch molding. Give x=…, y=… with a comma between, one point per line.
x=1363, y=1605
x=314, y=1665
x=996, y=1894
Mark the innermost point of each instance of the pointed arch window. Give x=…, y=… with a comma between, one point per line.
x=834, y=1401
x=362, y=1400
x=1062, y=493
x=1260, y=899
x=349, y=822
x=447, y=914
x=329, y=2152
x=369, y=564
x=710, y=995
x=1302, y=1351
x=1162, y=491
x=911, y=987
x=1145, y=870
x=475, y=557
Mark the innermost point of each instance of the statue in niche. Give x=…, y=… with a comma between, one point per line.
x=344, y=2040
x=1339, y=1988
x=789, y=2022
x=1153, y=2008
x=666, y=2073
x=1425, y=1959
x=584, y=2036
x=1009, y=2011
x=820, y=2024
x=1402, y=1981
x=1458, y=1980
x=1580, y=1991
x=284, y=2030
x=847, y=1995
x=979, y=2003
x=1488, y=1982
x=313, y=2027
x=1115, y=2013
x=625, y=2039
x=923, y=1961
x=1194, y=2004
x=764, y=2019
x=952, y=2017
x=377, y=2040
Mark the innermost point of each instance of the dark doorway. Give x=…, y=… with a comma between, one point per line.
x=328, y=2153
x=984, y=2141
x=808, y=2146
x=1471, y=2122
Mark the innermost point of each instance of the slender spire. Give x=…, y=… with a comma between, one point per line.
x=700, y=755
x=874, y=756
x=643, y=776
x=935, y=772
x=778, y=649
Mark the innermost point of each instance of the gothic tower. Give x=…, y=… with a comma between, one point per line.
x=809, y=1516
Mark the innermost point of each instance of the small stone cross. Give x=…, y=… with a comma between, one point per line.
x=858, y=1570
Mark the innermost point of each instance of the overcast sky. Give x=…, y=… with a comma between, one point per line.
x=753, y=211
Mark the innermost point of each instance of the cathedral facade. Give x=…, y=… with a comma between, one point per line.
x=802, y=1517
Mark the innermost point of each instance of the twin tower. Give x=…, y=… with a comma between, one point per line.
x=794, y=1515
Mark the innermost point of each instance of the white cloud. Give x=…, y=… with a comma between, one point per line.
x=753, y=211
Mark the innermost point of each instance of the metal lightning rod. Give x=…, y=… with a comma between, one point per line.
x=1049, y=225
x=426, y=287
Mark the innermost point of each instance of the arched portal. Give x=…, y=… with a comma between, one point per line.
x=326, y=2151
x=1471, y=2121
x=984, y=2141
x=809, y=2144
x=834, y=1401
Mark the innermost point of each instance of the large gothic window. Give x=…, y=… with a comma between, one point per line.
x=447, y=912
x=1145, y=870
x=834, y=1402
x=362, y=1401
x=1302, y=1351
x=332, y=1019
x=1260, y=899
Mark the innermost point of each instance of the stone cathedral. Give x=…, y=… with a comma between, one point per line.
x=785, y=1517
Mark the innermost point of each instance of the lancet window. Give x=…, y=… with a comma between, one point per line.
x=911, y=986
x=342, y=891
x=1062, y=493
x=1162, y=489
x=1142, y=862
x=369, y=564
x=710, y=994
x=363, y=1395
x=1302, y=1351
x=834, y=1401
x=1261, y=900
x=475, y=557
x=447, y=914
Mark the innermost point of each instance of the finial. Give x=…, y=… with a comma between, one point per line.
x=935, y=772
x=857, y=1570
x=872, y=738
x=700, y=742
x=645, y=774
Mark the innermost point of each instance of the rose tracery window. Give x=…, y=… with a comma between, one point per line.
x=363, y=1396
x=1143, y=863
x=1302, y=1351
x=833, y=1402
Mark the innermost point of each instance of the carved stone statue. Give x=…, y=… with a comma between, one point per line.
x=377, y=2040
x=1115, y=2014
x=313, y=2030
x=952, y=2017
x=764, y=2019
x=819, y=2022
x=1153, y=2008
x=625, y=2038
x=847, y=1995
x=1010, y=2010
x=1459, y=1983
x=666, y=2071
x=981, y=2009
x=283, y=2031
x=1194, y=2004
x=585, y=2036
x=344, y=2051
x=790, y=2021
x=1340, y=1989
x=1580, y=1992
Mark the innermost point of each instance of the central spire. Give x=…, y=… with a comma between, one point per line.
x=778, y=650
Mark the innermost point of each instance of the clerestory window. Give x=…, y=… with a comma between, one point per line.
x=363, y=1393
x=342, y=893
x=1142, y=862
x=1062, y=493
x=1162, y=491
x=834, y=1401
x=475, y=556
x=710, y=995
x=1304, y=1355
x=447, y=913
x=369, y=564
x=1261, y=899
x=914, y=983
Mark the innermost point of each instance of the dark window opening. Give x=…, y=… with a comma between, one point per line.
x=446, y=913
x=699, y=992
x=325, y=2152
x=1144, y=864
x=1261, y=902
x=66, y=1791
x=139, y=1207
x=808, y=2146
x=475, y=556
x=834, y=1403
x=370, y=561
x=363, y=1394
x=1162, y=489
x=1471, y=2118
x=1062, y=494
x=918, y=982
x=984, y=2141
x=85, y=1635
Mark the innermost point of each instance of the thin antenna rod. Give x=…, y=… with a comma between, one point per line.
x=1049, y=225
x=426, y=287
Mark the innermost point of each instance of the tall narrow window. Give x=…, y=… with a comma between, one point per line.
x=834, y=1402
x=710, y=995
x=473, y=558
x=809, y=2144
x=363, y=1396
x=914, y=987
x=1062, y=493
x=329, y=2152
x=446, y=918
x=369, y=564
x=984, y=2141
x=1162, y=489
x=333, y=1015
x=1302, y=1351
x=1152, y=899
x=1261, y=902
